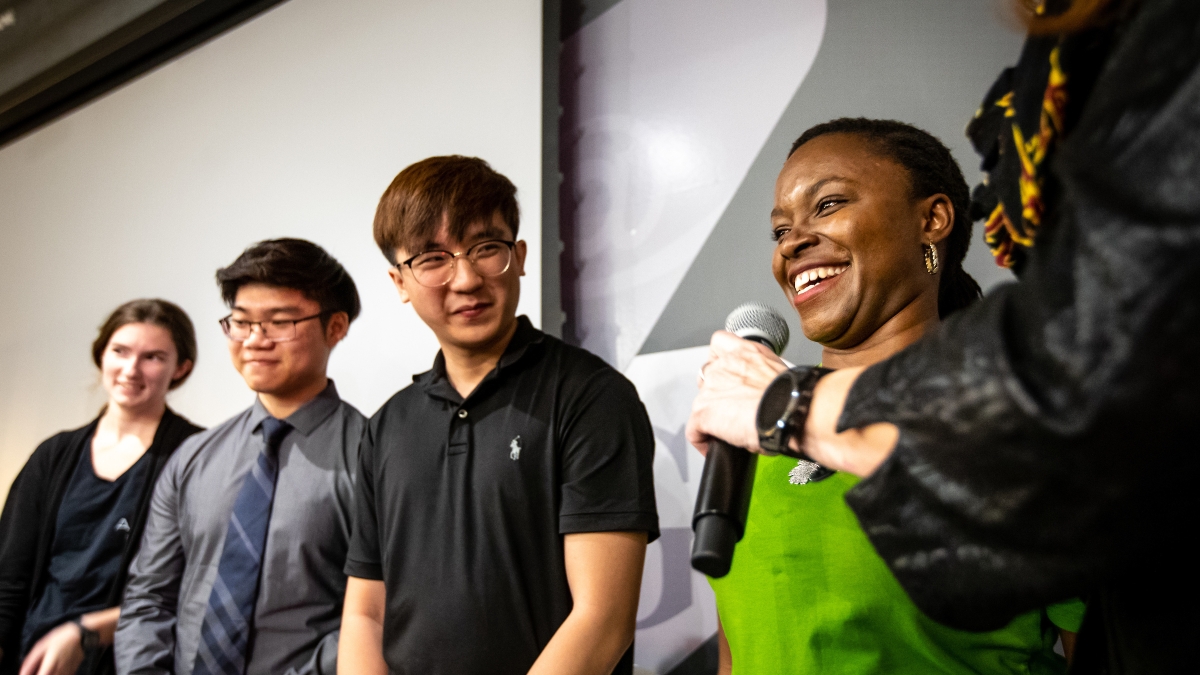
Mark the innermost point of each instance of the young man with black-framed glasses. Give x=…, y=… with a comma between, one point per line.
x=505, y=498
x=240, y=568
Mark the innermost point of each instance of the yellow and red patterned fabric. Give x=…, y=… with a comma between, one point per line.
x=1024, y=117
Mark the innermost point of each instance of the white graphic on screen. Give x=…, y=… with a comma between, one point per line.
x=667, y=103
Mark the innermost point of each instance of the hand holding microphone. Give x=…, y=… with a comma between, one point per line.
x=731, y=398
x=729, y=388
x=734, y=378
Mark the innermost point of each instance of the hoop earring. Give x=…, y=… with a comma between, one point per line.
x=931, y=259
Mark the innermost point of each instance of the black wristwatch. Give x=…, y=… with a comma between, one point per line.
x=783, y=410
x=88, y=638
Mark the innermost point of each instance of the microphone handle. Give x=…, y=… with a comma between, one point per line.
x=721, y=505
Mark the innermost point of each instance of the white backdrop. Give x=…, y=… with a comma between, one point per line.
x=290, y=125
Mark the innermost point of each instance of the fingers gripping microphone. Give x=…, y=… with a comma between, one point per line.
x=724, y=496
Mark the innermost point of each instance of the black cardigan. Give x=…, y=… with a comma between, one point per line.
x=28, y=522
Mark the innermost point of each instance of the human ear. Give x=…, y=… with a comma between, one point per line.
x=398, y=281
x=336, y=328
x=181, y=371
x=938, y=219
x=519, y=252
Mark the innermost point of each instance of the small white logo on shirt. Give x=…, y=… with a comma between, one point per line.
x=122, y=526
x=515, y=449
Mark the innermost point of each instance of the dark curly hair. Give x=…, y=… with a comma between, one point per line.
x=931, y=170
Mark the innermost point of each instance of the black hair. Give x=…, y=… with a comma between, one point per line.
x=293, y=263
x=931, y=170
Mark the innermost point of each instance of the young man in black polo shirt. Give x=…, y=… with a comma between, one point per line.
x=504, y=499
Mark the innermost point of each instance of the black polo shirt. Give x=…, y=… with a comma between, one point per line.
x=461, y=505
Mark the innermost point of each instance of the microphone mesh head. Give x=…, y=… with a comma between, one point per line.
x=755, y=320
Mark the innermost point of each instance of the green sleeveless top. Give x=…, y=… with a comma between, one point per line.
x=808, y=594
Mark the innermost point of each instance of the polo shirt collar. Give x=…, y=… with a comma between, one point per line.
x=524, y=340
x=524, y=337
x=308, y=417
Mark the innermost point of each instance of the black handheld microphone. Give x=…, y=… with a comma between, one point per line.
x=724, y=496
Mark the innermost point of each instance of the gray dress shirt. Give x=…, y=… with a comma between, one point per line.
x=299, y=607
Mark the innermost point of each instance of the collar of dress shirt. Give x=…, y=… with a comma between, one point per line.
x=309, y=416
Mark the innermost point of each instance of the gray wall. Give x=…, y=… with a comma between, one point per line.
x=925, y=62
x=678, y=116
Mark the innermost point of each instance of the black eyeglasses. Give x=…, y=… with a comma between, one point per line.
x=489, y=258
x=275, y=330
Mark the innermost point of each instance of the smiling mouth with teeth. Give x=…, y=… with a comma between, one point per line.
x=810, y=279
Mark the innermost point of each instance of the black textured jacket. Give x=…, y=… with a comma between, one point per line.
x=28, y=522
x=1048, y=445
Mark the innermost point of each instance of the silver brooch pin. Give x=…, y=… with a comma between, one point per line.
x=515, y=449
x=803, y=472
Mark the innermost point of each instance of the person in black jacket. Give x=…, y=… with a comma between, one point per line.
x=1041, y=443
x=74, y=515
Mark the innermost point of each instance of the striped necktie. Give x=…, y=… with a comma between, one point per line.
x=225, y=633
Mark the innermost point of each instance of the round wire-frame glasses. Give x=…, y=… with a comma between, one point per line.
x=275, y=330
x=489, y=258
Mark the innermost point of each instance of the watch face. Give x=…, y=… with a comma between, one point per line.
x=778, y=402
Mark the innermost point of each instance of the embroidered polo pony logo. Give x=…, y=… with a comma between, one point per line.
x=514, y=448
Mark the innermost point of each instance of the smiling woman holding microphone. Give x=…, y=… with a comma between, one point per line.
x=870, y=230
x=1040, y=444
x=74, y=515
